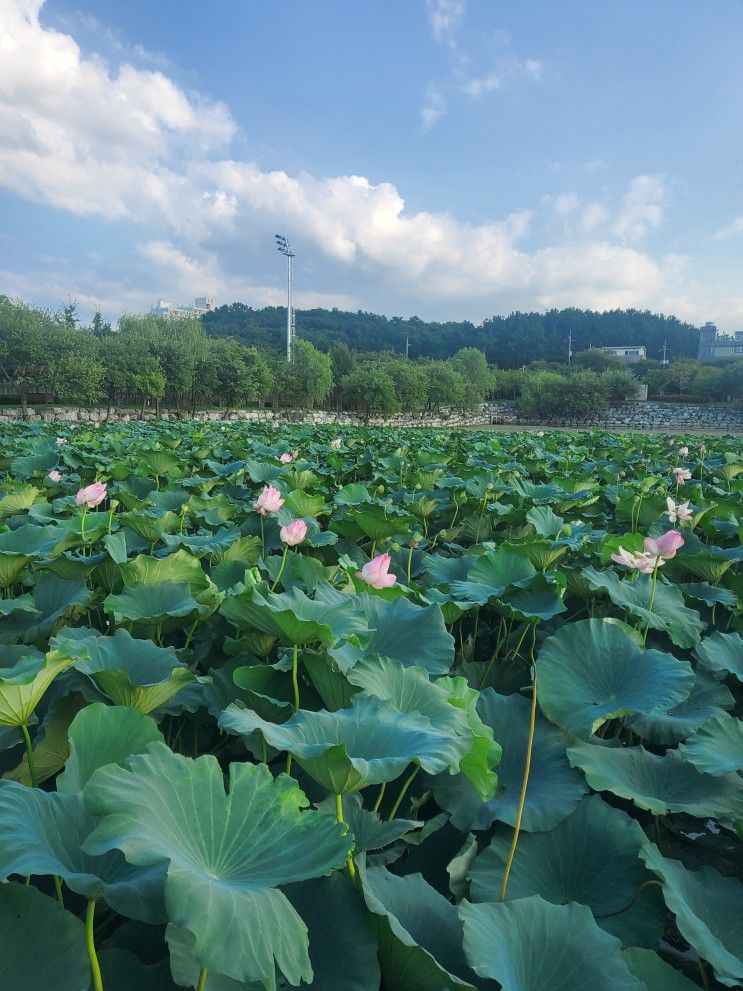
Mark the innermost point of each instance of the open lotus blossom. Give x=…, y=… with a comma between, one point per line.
x=665, y=547
x=683, y=451
x=335, y=444
x=702, y=448
x=640, y=562
x=375, y=573
x=60, y=441
x=678, y=511
x=671, y=442
x=54, y=476
x=288, y=456
x=293, y=533
x=269, y=501
x=682, y=475
x=92, y=495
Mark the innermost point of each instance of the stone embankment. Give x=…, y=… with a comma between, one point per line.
x=673, y=417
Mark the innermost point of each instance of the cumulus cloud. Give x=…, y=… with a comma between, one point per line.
x=126, y=143
x=642, y=208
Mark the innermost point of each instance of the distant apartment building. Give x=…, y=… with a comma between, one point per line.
x=201, y=305
x=713, y=345
x=630, y=354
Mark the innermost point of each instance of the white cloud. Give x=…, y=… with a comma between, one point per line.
x=445, y=16
x=642, y=208
x=502, y=76
x=434, y=107
x=129, y=143
x=730, y=230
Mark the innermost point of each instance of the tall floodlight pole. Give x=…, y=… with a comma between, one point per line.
x=285, y=248
x=570, y=346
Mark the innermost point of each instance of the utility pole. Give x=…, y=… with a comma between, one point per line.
x=664, y=362
x=570, y=345
x=284, y=248
x=407, y=348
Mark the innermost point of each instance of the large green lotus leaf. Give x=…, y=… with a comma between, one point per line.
x=51, y=745
x=32, y=541
x=160, y=462
x=42, y=947
x=410, y=690
x=100, y=735
x=44, y=833
x=135, y=673
x=533, y=945
x=203, y=544
x=150, y=526
x=17, y=501
x=413, y=635
x=180, y=567
x=301, y=504
x=55, y=599
x=541, y=552
x=419, y=933
x=379, y=522
x=346, y=750
x=243, y=549
x=708, y=563
x=21, y=603
x=226, y=854
x=669, y=614
x=535, y=598
x=23, y=685
x=292, y=616
x=708, y=908
x=544, y=521
x=717, y=746
x=722, y=652
x=12, y=567
x=710, y=594
x=153, y=603
x=554, y=787
x=491, y=575
x=267, y=691
x=186, y=969
x=590, y=672
x=591, y=857
x=370, y=831
x=658, y=784
x=707, y=698
x=655, y=973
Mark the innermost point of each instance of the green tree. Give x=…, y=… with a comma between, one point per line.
x=233, y=375
x=370, y=390
x=597, y=360
x=619, y=384
x=550, y=394
x=26, y=336
x=307, y=380
x=472, y=365
x=76, y=371
x=411, y=383
x=448, y=388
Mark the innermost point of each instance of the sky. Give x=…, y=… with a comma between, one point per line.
x=451, y=159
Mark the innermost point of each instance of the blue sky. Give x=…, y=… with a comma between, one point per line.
x=446, y=158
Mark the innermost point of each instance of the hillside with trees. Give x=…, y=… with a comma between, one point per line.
x=509, y=342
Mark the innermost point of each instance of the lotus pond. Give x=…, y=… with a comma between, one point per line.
x=400, y=710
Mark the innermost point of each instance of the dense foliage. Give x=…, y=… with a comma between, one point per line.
x=509, y=342
x=399, y=710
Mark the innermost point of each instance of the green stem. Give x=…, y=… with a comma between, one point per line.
x=652, y=600
x=410, y=561
x=58, y=890
x=202, y=980
x=524, y=785
x=82, y=523
x=380, y=796
x=403, y=792
x=281, y=569
x=350, y=866
x=29, y=756
x=295, y=675
x=190, y=634
x=517, y=648
x=263, y=541
x=95, y=969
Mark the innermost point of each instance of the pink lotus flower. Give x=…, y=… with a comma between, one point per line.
x=288, y=456
x=678, y=511
x=92, y=495
x=682, y=475
x=375, y=573
x=683, y=451
x=665, y=547
x=269, y=501
x=702, y=448
x=335, y=444
x=640, y=562
x=54, y=476
x=293, y=533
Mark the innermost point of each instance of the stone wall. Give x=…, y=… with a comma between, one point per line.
x=628, y=416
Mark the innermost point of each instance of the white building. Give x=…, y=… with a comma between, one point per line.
x=201, y=305
x=629, y=354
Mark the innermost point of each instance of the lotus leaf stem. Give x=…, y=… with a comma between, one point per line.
x=29, y=756
x=58, y=889
x=95, y=968
x=202, y=980
x=524, y=786
x=82, y=523
x=403, y=792
x=281, y=569
x=380, y=796
x=350, y=866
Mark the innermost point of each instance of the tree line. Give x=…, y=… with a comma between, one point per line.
x=507, y=341
x=152, y=361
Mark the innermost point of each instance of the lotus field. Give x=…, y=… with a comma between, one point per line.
x=401, y=710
